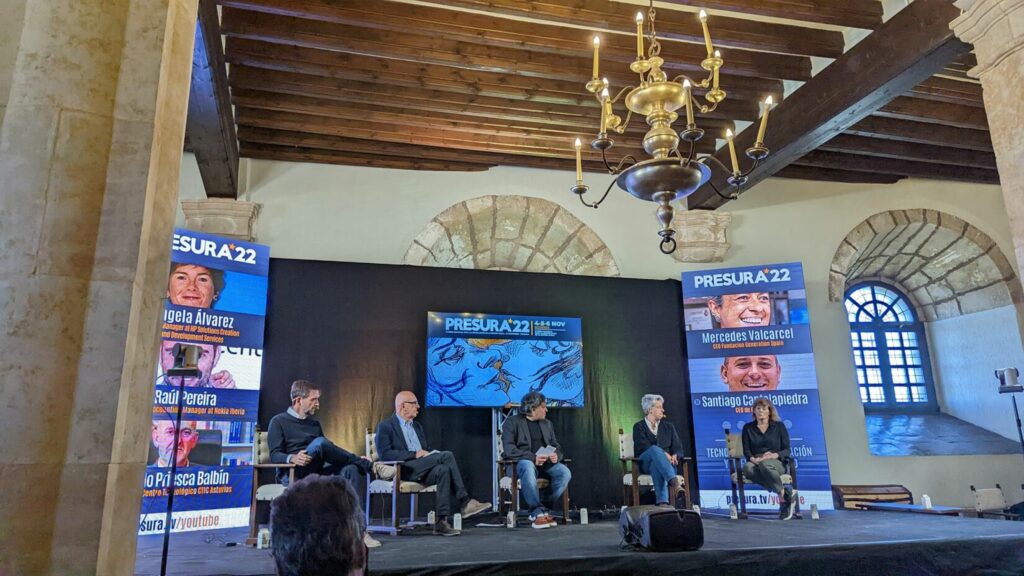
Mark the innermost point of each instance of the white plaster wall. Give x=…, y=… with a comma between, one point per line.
x=965, y=352
x=372, y=215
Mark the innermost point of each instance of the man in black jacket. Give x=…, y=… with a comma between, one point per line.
x=401, y=438
x=522, y=437
x=296, y=438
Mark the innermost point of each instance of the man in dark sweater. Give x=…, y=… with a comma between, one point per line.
x=296, y=438
x=528, y=438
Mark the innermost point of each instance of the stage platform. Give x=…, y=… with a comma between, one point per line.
x=840, y=543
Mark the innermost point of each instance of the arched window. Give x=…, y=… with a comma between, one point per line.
x=890, y=352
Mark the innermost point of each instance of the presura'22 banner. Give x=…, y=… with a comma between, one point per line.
x=748, y=336
x=217, y=300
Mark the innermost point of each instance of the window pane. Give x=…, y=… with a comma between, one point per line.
x=910, y=339
x=901, y=393
x=857, y=361
x=876, y=394
x=914, y=357
x=919, y=394
x=889, y=317
x=855, y=339
x=861, y=295
x=863, y=394
x=892, y=339
x=896, y=357
x=861, y=379
x=871, y=357
x=899, y=376
x=863, y=316
x=874, y=376
x=916, y=376
x=867, y=339
x=902, y=310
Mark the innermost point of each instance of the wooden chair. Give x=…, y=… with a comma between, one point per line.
x=388, y=480
x=992, y=502
x=509, y=482
x=264, y=492
x=632, y=479
x=738, y=480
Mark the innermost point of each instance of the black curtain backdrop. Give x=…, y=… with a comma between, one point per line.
x=359, y=332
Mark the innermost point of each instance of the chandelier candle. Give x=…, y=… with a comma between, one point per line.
x=707, y=33
x=639, y=35
x=579, y=161
x=732, y=153
x=764, y=121
x=606, y=107
x=597, y=48
x=714, y=83
x=689, y=103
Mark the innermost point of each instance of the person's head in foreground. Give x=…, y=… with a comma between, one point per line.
x=316, y=529
x=751, y=373
x=741, y=310
x=534, y=406
x=194, y=285
x=764, y=411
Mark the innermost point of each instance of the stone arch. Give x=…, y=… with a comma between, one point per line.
x=946, y=265
x=511, y=233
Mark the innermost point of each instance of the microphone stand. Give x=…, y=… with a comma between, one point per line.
x=181, y=373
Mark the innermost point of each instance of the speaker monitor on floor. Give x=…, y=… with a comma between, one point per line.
x=661, y=529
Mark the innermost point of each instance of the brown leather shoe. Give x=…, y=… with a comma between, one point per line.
x=443, y=528
x=474, y=507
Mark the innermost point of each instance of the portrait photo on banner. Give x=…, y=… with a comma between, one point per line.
x=745, y=310
x=204, y=286
x=753, y=373
x=225, y=367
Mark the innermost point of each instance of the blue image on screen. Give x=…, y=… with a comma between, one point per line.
x=500, y=369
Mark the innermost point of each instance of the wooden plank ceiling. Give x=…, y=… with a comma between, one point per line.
x=469, y=84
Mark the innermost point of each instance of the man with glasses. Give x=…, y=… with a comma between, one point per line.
x=401, y=438
x=296, y=438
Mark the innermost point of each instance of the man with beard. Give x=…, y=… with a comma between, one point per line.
x=208, y=357
x=751, y=373
x=296, y=438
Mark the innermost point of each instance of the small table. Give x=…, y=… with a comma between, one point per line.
x=917, y=508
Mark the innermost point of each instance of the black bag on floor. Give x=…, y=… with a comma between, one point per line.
x=661, y=529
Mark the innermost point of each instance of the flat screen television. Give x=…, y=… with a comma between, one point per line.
x=490, y=360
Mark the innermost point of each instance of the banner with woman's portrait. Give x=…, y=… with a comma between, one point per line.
x=216, y=300
x=748, y=337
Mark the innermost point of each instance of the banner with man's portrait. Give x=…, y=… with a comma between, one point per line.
x=748, y=337
x=216, y=300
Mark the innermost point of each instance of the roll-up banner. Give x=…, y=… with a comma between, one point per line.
x=217, y=300
x=748, y=336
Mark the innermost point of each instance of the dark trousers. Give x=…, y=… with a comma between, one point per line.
x=331, y=460
x=440, y=469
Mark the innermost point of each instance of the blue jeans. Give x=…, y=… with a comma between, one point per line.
x=654, y=461
x=330, y=460
x=527, y=471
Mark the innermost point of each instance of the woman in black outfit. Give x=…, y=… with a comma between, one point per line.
x=766, y=448
x=657, y=445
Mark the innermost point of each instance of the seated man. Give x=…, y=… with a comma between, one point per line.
x=401, y=438
x=522, y=436
x=318, y=530
x=296, y=438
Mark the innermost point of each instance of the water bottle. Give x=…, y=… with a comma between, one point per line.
x=926, y=501
x=263, y=538
x=584, y=516
x=457, y=522
x=814, y=512
x=733, y=515
x=510, y=520
x=431, y=518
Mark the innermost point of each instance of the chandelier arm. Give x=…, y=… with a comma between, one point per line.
x=625, y=89
x=619, y=167
x=733, y=196
x=681, y=77
x=716, y=161
x=693, y=148
x=704, y=108
x=603, y=196
x=604, y=157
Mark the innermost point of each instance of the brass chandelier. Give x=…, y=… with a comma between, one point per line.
x=668, y=175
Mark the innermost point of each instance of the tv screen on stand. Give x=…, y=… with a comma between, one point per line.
x=491, y=360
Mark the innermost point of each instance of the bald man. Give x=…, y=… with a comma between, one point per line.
x=401, y=438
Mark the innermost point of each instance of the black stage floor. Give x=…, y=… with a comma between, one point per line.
x=840, y=543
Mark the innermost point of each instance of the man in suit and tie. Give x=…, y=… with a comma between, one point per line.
x=401, y=438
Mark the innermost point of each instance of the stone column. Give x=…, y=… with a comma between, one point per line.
x=90, y=151
x=996, y=29
x=701, y=235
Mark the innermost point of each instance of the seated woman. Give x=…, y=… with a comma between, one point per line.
x=657, y=445
x=766, y=448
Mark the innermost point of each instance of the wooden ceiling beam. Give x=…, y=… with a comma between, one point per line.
x=901, y=53
x=878, y=165
x=505, y=33
x=210, y=124
x=922, y=133
x=833, y=175
x=951, y=91
x=725, y=31
x=866, y=14
x=440, y=51
x=385, y=111
x=316, y=156
x=898, y=150
x=932, y=112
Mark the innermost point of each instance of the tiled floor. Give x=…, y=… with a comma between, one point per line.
x=932, y=435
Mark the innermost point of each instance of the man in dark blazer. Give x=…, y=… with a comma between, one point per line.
x=401, y=438
x=522, y=437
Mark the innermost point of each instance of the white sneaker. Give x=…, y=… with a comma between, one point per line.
x=370, y=541
x=791, y=508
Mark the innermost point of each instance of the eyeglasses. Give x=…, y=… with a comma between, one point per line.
x=414, y=402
